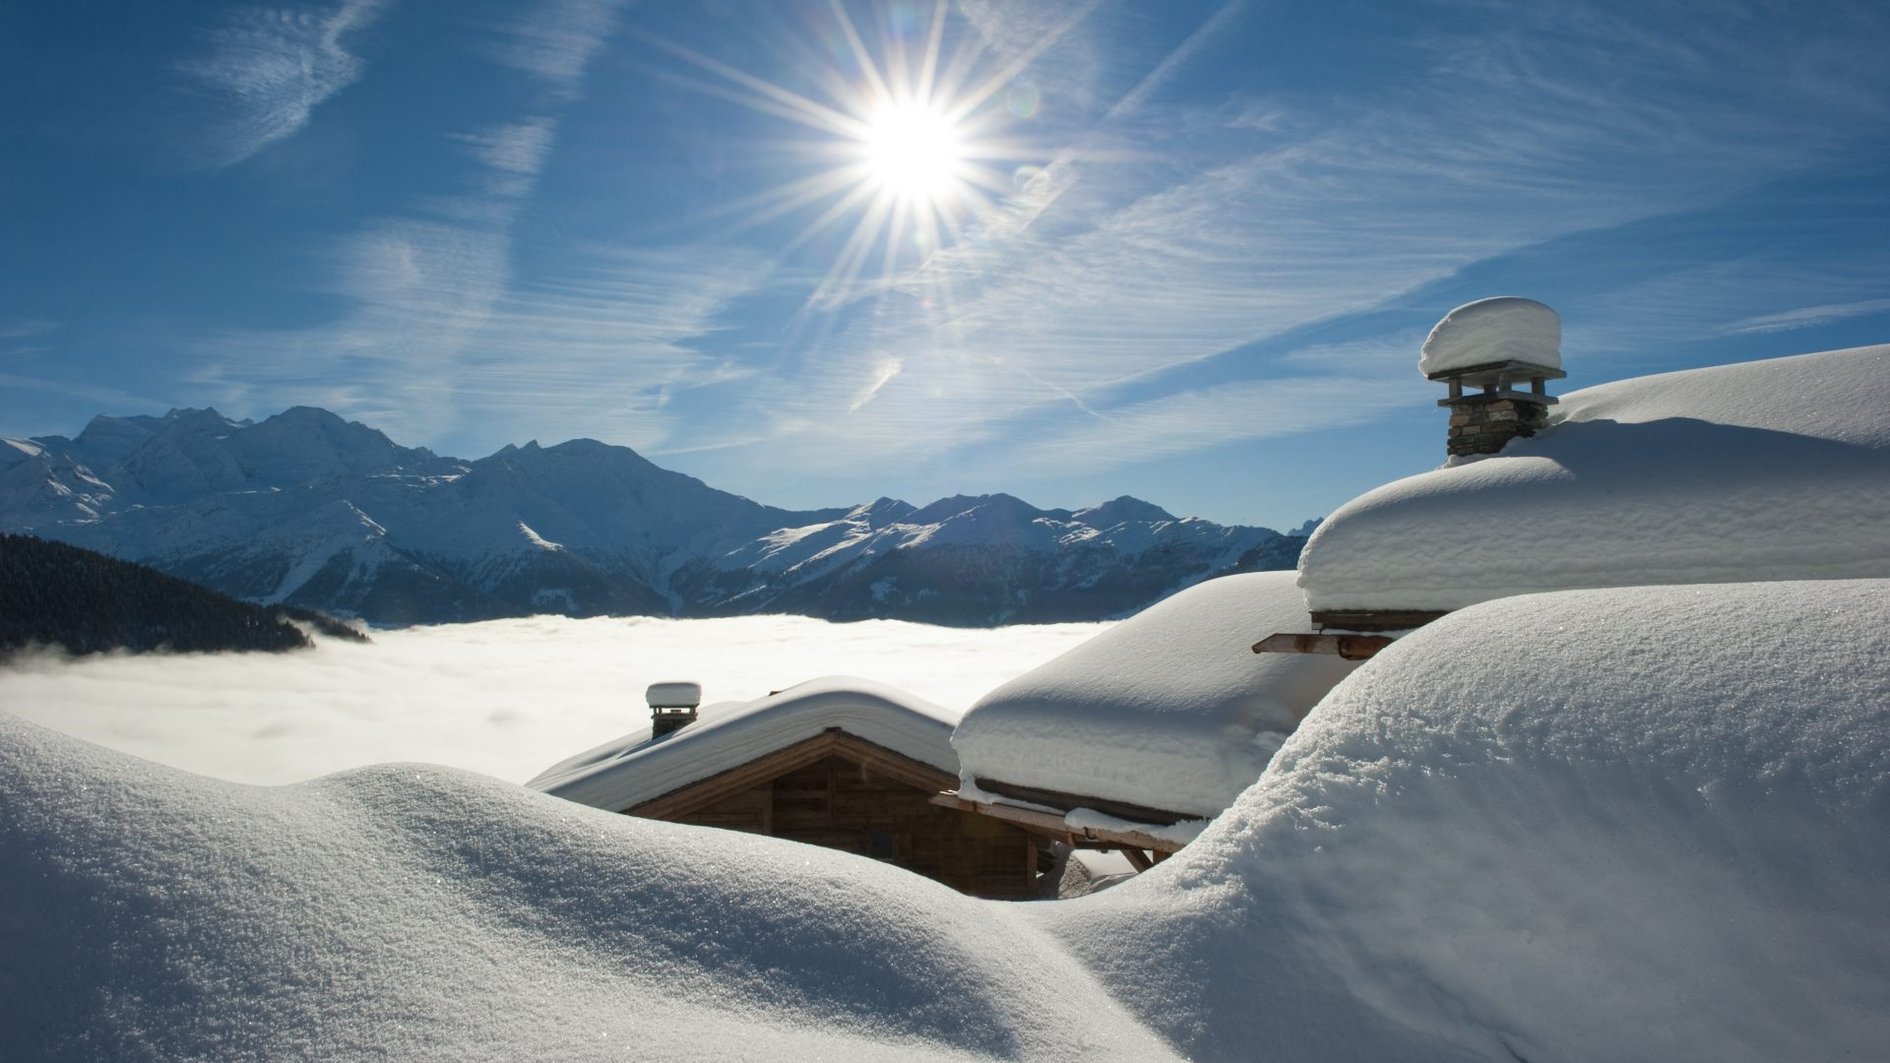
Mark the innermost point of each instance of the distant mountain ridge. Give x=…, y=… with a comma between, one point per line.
x=310, y=509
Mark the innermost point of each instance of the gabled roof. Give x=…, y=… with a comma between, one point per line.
x=636, y=768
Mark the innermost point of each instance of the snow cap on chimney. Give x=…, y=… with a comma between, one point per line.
x=1490, y=331
x=672, y=706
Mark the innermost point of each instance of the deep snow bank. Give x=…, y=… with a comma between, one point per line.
x=1650, y=823
x=1777, y=469
x=412, y=912
x=1169, y=709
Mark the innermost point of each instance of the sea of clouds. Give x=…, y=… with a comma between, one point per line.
x=504, y=697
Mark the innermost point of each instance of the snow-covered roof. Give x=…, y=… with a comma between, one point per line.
x=635, y=768
x=1503, y=329
x=1767, y=470
x=1169, y=709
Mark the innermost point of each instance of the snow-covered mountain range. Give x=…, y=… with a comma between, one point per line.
x=307, y=508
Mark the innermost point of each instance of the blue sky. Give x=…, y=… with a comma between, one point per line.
x=1185, y=251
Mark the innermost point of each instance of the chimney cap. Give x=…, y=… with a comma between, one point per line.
x=674, y=695
x=1492, y=332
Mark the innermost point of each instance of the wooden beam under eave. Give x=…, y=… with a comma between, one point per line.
x=1350, y=647
x=1055, y=826
x=1374, y=619
x=697, y=795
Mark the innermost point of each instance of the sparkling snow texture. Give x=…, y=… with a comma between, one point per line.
x=1502, y=329
x=1622, y=824
x=420, y=913
x=1766, y=470
x=635, y=768
x=1169, y=709
x=1641, y=824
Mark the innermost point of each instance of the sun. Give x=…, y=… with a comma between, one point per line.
x=914, y=142
x=913, y=153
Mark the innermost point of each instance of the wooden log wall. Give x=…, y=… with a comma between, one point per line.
x=842, y=804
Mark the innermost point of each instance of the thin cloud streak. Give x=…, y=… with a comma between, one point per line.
x=557, y=39
x=1189, y=421
x=1126, y=275
x=1808, y=316
x=437, y=335
x=269, y=69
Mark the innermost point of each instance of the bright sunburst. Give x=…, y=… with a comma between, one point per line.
x=911, y=141
x=912, y=152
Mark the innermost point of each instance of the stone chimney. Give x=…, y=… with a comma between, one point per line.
x=1497, y=346
x=672, y=706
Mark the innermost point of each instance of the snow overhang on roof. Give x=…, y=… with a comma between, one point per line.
x=1169, y=710
x=637, y=768
x=1769, y=470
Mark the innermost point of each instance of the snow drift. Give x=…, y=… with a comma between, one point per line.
x=1516, y=833
x=1776, y=469
x=1169, y=709
x=1645, y=824
x=412, y=912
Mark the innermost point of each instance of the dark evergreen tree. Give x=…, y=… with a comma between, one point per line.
x=86, y=602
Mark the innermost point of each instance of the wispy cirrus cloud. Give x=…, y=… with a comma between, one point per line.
x=268, y=69
x=556, y=39
x=1188, y=421
x=1808, y=316
x=27, y=328
x=441, y=337
x=1187, y=236
x=440, y=333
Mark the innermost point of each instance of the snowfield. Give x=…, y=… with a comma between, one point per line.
x=1648, y=823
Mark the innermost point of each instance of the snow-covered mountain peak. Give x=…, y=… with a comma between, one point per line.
x=946, y=509
x=308, y=507
x=1121, y=510
x=881, y=512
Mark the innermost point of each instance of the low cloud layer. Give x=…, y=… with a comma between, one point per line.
x=506, y=697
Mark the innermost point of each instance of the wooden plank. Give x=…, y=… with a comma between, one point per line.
x=893, y=765
x=1137, y=858
x=791, y=758
x=1350, y=647
x=1374, y=619
x=707, y=791
x=1052, y=825
x=1059, y=799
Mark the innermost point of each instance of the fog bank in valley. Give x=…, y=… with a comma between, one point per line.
x=504, y=697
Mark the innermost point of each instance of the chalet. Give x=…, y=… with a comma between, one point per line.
x=846, y=764
x=1767, y=470
x=1135, y=739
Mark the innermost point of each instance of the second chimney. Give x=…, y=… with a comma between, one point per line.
x=672, y=706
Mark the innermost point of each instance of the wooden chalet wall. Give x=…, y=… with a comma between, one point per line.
x=845, y=793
